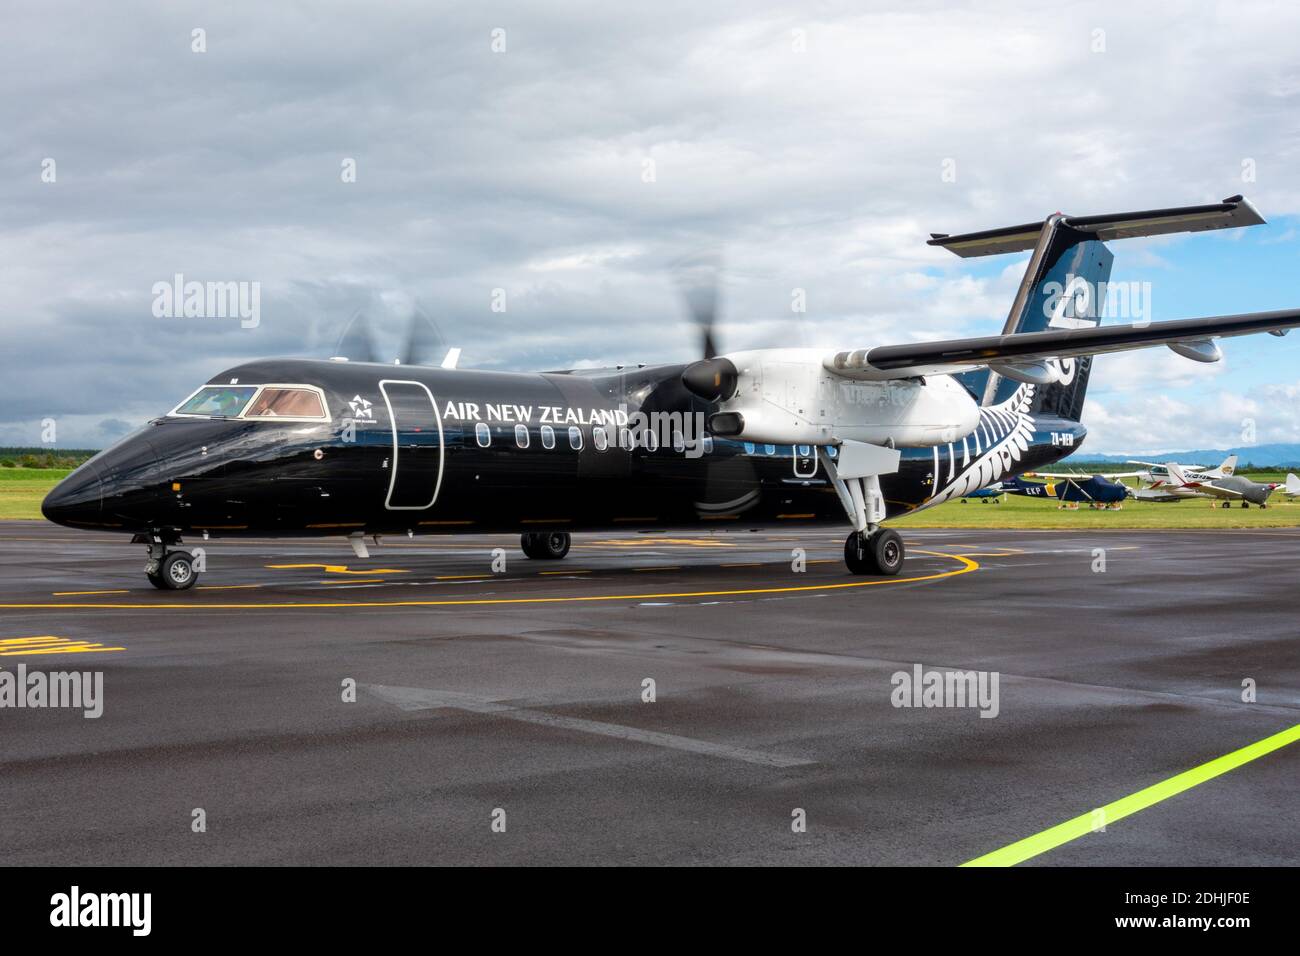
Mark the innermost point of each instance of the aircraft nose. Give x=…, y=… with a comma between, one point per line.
x=77, y=499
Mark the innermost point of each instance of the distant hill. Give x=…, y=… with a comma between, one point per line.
x=1275, y=455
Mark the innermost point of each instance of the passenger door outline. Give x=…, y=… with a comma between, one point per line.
x=395, y=426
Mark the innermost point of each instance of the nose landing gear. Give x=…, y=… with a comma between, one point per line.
x=168, y=570
x=877, y=552
x=546, y=545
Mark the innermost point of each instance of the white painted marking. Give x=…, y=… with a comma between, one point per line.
x=418, y=698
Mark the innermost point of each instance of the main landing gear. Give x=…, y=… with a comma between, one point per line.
x=877, y=552
x=167, y=569
x=545, y=545
x=855, y=475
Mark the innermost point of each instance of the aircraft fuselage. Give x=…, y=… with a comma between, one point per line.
x=430, y=450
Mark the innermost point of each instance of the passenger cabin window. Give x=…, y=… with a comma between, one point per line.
x=626, y=439
x=521, y=436
x=275, y=402
x=769, y=449
x=575, y=438
x=832, y=451
x=708, y=444
x=548, y=436
x=482, y=435
x=650, y=439
x=679, y=442
x=599, y=438
x=749, y=448
x=224, y=401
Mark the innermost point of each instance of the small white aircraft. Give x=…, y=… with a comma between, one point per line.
x=1292, y=487
x=1158, y=475
x=1174, y=482
x=1219, y=484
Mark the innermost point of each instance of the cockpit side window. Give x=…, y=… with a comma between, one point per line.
x=225, y=401
x=276, y=402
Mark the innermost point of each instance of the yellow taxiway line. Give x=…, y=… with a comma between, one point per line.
x=338, y=569
x=50, y=644
x=967, y=565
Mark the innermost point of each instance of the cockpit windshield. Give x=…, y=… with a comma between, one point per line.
x=296, y=403
x=225, y=401
x=287, y=403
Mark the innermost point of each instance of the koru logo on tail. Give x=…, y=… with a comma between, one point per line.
x=1074, y=306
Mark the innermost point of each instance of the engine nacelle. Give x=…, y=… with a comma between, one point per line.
x=787, y=397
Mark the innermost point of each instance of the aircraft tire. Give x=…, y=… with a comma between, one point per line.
x=177, y=571
x=546, y=545
x=528, y=543
x=880, y=553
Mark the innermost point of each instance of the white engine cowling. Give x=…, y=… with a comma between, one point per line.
x=786, y=396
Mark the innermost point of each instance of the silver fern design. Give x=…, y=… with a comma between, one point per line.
x=988, y=454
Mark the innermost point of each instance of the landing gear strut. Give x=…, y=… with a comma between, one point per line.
x=545, y=545
x=166, y=569
x=877, y=552
x=855, y=475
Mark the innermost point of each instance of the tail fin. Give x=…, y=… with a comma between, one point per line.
x=1064, y=286
x=1228, y=467
x=1292, y=483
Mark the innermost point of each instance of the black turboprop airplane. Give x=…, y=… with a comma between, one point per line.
x=791, y=436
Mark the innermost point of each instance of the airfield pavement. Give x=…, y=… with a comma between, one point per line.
x=519, y=696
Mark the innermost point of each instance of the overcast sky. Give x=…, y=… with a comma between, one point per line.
x=808, y=142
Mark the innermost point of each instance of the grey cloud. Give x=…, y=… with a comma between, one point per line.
x=523, y=171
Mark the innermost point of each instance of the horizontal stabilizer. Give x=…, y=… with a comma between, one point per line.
x=1232, y=212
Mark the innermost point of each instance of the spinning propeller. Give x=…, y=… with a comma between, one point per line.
x=424, y=344
x=699, y=280
x=728, y=483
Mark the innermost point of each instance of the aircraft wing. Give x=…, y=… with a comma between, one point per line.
x=1212, y=490
x=1165, y=493
x=1027, y=351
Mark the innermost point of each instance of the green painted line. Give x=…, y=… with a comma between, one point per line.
x=1063, y=833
